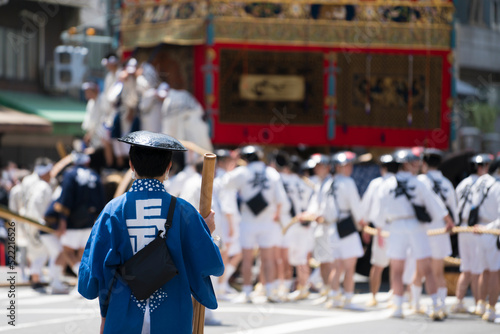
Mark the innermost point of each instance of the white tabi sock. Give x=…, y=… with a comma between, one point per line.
x=348, y=295
x=56, y=273
x=442, y=294
x=434, y=298
x=230, y=269
x=416, y=293
x=270, y=288
x=398, y=301
x=288, y=284
x=333, y=293
x=247, y=289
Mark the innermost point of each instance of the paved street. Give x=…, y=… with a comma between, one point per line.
x=57, y=314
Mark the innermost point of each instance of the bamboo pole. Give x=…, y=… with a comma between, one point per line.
x=207, y=180
x=438, y=231
x=9, y=215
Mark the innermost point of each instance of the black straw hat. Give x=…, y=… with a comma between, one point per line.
x=153, y=140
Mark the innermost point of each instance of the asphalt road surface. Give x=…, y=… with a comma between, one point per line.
x=58, y=314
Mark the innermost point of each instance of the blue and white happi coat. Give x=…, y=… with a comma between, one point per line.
x=125, y=226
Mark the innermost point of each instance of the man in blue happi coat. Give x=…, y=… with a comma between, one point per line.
x=130, y=222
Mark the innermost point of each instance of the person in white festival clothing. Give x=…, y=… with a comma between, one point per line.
x=124, y=95
x=486, y=199
x=468, y=243
x=342, y=213
x=394, y=205
x=323, y=252
x=278, y=160
x=29, y=237
x=227, y=220
x=150, y=107
x=262, y=197
x=297, y=242
x=379, y=259
x=440, y=244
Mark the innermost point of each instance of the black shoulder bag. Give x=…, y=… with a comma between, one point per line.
x=474, y=212
x=345, y=227
x=465, y=197
x=151, y=267
x=420, y=211
x=258, y=203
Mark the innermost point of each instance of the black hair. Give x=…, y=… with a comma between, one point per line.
x=199, y=167
x=432, y=160
x=149, y=162
x=392, y=167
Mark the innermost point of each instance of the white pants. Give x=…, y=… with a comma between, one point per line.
x=468, y=248
x=408, y=234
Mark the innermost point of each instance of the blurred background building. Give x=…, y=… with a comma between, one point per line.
x=365, y=75
x=478, y=69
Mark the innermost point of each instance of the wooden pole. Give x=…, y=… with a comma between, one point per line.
x=207, y=181
x=6, y=214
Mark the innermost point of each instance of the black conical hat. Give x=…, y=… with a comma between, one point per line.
x=153, y=140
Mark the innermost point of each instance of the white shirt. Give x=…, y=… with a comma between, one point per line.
x=150, y=107
x=175, y=184
x=486, y=187
x=249, y=181
x=464, y=197
x=295, y=191
x=182, y=118
x=435, y=181
x=316, y=199
x=369, y=195
x=191, y=190
x=341, y=193
x=391, y=204
x=224, y=203
x=39, y=201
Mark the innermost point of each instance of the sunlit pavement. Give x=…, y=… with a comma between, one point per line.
x=44, y=313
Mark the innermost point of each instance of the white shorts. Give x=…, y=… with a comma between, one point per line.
x=440, y=246
x=234, y=248
x=405, y=234
x=468, y=248
x=323, y=250
x=52, y=244
x=347, y=247
x=489, y=254
x=279, y=239
x=257, y=234
x=379, y=256
x=301, y=243
x=233, y=241
x=76, y=239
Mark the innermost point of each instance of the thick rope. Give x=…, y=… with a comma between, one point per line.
x=439, y=231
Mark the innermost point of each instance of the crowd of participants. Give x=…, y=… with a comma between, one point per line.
x=133, y=97
x=277, y=215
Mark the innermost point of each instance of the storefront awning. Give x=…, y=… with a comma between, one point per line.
x=72, y=3
x=65, y=114
x=12, y=121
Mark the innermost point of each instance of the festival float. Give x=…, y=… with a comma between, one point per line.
x=305, y=72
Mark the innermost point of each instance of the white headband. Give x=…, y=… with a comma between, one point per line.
x=43, y=169
x=80, y=158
